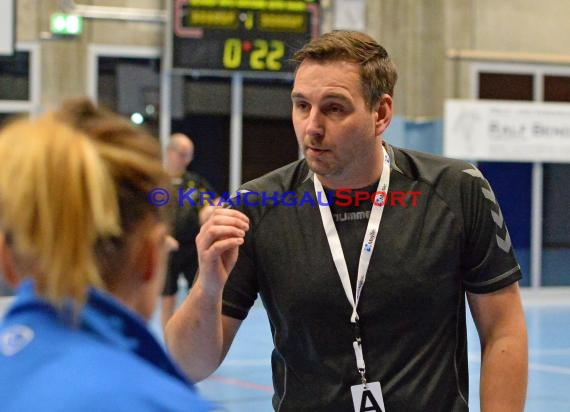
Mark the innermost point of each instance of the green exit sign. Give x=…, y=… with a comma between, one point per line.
x=66, y=24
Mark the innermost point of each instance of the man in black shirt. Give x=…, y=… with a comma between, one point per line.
x=364, y=266
x=187, y=217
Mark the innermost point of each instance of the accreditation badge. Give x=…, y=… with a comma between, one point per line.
x=368, y=397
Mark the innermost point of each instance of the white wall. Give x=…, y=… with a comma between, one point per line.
x=4, y=303
x=7, y=14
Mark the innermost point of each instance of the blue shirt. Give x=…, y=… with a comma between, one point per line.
x=109, y=361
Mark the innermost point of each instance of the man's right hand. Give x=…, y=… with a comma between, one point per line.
x=218, y=244
x=198, y=335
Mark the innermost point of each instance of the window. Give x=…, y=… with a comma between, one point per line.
x=512, y=182
x=127, y=81
x=20, y=81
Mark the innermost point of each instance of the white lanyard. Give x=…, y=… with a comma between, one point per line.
x=365, y=253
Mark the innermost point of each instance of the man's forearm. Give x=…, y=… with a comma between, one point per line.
x=194, y=335
x=197, y=336
x=504, y=375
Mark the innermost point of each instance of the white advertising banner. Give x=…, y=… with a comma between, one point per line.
x=7, y=14
x=507, y=131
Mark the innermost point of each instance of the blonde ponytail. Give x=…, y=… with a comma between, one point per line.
x=57, y=199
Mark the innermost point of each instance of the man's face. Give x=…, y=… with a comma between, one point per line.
x=179, y=157
x=337, y=132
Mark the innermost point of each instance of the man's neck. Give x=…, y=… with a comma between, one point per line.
x=349, y=183
x=175, y=174
x=365, y=174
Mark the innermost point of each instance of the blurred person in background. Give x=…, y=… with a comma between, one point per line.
x=188, y=216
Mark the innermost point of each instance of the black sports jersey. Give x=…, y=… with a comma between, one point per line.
x=186, y=222
x=351, y=221
x=186, y=225
x=452, y=238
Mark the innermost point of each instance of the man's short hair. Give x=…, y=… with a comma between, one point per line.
x=377, y=71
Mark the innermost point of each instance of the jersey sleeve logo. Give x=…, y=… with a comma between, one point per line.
x=504, y=243
x=14, y=339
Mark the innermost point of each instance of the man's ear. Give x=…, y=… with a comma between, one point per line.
x=383, y=112
x=7, y=267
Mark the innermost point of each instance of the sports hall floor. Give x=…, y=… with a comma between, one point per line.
x=243, y=382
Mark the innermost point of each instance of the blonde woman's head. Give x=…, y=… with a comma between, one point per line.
x=73, y=206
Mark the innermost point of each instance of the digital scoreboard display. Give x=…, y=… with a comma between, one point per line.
x=241, y=35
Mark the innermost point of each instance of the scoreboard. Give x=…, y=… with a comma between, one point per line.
x=241, y=35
